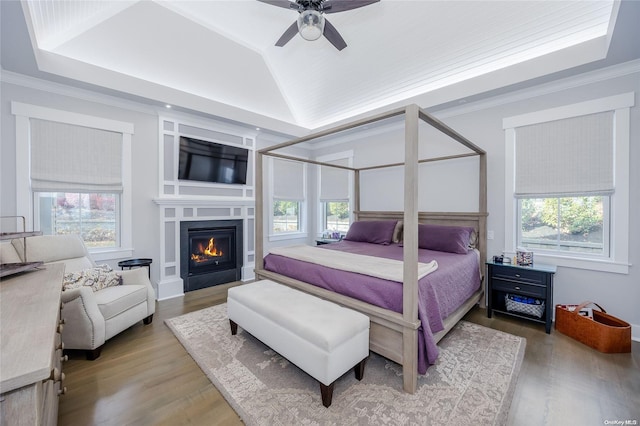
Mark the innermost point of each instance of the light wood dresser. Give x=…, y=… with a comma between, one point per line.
x=30, y=347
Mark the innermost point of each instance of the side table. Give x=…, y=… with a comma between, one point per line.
x=534, y=281
x=132, y=263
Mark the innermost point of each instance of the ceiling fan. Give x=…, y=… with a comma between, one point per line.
x=311, y=23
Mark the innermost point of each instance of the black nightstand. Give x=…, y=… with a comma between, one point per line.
x=524, y=281
x=321, y=241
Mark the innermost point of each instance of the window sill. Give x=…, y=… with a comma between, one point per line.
x=100, y=255
x=287, y=236
x=601, y=265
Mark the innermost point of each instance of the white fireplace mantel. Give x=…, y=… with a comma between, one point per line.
x=204, y=202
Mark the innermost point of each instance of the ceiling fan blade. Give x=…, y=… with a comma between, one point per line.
x=281, y=3
x=288, y=34
x=334, y=6
x=333, y=36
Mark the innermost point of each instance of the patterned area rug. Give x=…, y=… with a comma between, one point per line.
x=472, y=381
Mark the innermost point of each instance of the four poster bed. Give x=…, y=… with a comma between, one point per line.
x=442, y=256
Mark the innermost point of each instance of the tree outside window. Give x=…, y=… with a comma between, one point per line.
x=286, y=216
x=569, y=224
x=336, y=216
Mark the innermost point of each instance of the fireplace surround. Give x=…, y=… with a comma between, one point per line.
x=211, y=253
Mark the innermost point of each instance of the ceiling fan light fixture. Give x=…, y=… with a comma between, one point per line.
x=311, y=24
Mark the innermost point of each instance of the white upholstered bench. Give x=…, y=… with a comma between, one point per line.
x=322, y=338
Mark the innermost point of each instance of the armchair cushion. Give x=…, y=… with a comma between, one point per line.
x=113, y=301
x=97, y=278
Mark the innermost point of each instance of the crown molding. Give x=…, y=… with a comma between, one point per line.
x=62, y=89
x=591, y=77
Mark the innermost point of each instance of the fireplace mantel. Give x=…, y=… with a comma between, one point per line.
x=175, y=210
x=204, y=202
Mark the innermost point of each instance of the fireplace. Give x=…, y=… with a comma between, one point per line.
x=210, y=253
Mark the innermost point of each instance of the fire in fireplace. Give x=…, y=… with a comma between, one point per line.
x=211, y=253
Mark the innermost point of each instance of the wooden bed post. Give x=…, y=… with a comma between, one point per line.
x=356, y=193
x=410, y=279
x=259, y=214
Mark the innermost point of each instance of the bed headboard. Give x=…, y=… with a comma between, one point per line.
x=477, y=220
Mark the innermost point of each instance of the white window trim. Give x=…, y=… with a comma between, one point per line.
x=618, y=262
x=302, y=212
x=24, y=197
x=320, y=209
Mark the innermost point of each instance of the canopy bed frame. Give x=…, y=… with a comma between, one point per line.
x=392, y=335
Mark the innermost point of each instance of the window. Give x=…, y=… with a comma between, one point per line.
x=286, y=216
x=565, y=224
x=75, y=177
x=288, y=196
x=567, y=174
x=334, y=189
x=336, y=216
x=93, y=216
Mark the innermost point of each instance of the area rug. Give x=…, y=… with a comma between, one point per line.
x=472, y=381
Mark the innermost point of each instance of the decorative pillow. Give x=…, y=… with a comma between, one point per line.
x=452, y=239
x=372, y=231
x=102, y=276
x=397, y=232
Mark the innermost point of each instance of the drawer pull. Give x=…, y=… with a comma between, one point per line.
x=60, y=328
x=517, y=288
x=64, y=358
x=517, y=275
x=62, y=391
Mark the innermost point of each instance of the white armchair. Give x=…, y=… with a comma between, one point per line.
x=91, y=318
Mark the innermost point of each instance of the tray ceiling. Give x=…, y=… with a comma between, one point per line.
x=219, y=56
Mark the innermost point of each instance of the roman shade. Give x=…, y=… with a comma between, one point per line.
x=288, y=180
x=66, y=157
x=334, y=182
x=568, y=157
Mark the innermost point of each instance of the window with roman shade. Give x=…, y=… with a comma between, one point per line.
x=567, y=183
x=66, y=157
x=288, y=196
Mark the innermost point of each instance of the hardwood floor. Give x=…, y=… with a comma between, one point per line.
x=145, y=377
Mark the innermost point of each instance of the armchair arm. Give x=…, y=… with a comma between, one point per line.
x=140, y=276
x=84, y=326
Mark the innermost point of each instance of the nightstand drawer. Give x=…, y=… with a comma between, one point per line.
x=520, y=288
x=519, y=274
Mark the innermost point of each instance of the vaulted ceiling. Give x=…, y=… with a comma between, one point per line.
x=219, y=56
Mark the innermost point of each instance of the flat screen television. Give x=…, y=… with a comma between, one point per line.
x=212, y=162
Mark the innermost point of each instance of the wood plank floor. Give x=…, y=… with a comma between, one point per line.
x=145, y=377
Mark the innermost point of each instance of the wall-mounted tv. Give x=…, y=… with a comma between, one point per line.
x=212, y=162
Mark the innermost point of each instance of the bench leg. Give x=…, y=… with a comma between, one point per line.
x=327, y=393
x=359, y=369
x=234, y=327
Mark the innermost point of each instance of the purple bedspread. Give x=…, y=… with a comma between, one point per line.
x=440, y=293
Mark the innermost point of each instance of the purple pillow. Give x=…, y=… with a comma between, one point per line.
x=452, y=239
x=372, y=231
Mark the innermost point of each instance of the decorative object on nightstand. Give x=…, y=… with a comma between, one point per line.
x=521, y=291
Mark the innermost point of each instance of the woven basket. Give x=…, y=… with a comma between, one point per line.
x=604, y=333
x=524, y=305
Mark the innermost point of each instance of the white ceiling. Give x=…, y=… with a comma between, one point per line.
x=219, y=56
